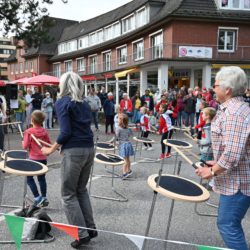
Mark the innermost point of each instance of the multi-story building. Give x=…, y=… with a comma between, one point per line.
x=27, y=62
x=7, y=48
x=157, y=43
x=161, y=42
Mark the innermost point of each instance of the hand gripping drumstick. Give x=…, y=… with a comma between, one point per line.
x=42, y=142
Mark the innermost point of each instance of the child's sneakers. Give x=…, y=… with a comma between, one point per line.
x=150, y=148
x=145, y=148
x=126, y=175
x=168, y=155
x=162, y=156
x=41, y=202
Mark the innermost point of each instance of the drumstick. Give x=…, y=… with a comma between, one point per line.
x=185, y=157
x=188, y=135
x=47, y=144
x=36, y=140
x=20, y=130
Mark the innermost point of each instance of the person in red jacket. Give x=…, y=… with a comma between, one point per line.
x=126, y=106
x=35, y=154
x=162, y=101
x=144, y=122
x=201, y=122
x=165, y=129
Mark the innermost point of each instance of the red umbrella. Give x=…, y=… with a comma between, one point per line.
x=42, y=80
x=2, y=83
x=19, y=81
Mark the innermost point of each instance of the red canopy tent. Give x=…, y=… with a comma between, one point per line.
x=42, y=80
x=2, y=83
x=19, y=81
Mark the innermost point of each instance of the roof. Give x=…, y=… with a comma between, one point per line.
x=168, y=9
x=55, y=33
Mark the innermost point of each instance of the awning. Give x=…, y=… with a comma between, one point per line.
x=125, y=72
x=89, y=78
x=243, y=66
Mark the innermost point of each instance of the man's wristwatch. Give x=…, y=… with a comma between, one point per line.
x=212, y=172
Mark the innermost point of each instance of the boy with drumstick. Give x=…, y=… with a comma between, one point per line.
x=35, y=154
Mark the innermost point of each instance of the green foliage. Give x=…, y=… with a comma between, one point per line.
x=26, y=19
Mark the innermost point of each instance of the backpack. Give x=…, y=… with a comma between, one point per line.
x=33, y=229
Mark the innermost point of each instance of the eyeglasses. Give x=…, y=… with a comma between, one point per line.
x=215, y=85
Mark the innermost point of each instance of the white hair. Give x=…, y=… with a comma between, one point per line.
x=232, y=77
x=71, y=84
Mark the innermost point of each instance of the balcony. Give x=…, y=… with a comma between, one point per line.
x=202, y=52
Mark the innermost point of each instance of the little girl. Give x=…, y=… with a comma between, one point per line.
x=125, y=146
x=165, y=129
x=144, y=122
x=35, y=154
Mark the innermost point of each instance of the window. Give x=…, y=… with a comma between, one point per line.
x=16, y=68
x=157, y=46
x=138, y=49
x=12, y=68
x=128, y=24
x=235, y=4
x=107, y=61
x=26, y=66
x=21, y=67
x=116, y=29
x=122, y=55
x=92, y=39
x=99, y=36
x=67, y=47
x=57, y=69
x=93, y=64
x=141, y=17
x=108, y=34
x=31, y=66
x=80, y=64
x=226, y=40
x=68, y=66
x=83, y=42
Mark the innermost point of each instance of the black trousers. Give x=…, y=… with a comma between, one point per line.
x=110, y=121
x=145, y=135
x=167, y=135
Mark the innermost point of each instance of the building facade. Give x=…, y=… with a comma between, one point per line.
x=156, y=43
x=7, y=48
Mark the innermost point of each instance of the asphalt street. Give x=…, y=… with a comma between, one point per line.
x=122, y=217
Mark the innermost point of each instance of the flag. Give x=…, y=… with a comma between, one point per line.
x=70, y=230
x=15, y=225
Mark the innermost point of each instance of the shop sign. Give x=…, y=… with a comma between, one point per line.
x=195, y=52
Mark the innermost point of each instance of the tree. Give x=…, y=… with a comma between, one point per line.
x=26, y=19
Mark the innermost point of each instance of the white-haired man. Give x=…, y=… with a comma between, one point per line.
x=231, y=148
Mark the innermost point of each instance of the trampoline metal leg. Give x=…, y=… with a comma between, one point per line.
x=175, y=164
x=149, y=219
x=121, y=198
x=136, y=145
x=169, y=222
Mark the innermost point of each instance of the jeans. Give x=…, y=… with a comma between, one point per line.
x=42, y=183
x=75, y=170
x=20, y=117
x=48, y=120
x=232, y=209
x=95, y=118
x=180, y=118
x=136, y=116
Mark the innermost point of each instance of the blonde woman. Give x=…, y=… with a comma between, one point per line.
x=77, y=146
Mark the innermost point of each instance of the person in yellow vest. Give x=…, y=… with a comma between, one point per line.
x=20, y=111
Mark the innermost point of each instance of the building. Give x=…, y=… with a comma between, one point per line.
x=7, y=48
x=27, y=62
x=156, y=43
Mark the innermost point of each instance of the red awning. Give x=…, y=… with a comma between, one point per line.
x=89, y=78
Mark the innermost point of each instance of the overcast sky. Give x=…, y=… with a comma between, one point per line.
x=83, y=9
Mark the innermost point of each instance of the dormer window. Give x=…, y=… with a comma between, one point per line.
x=235, y=4
x=128, y=23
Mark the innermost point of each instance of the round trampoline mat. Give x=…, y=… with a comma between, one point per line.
x=15, y=154
x=109, y=159
x=142, y=139
x=179, y=188
x=105, y=146
x=177, y=143
x=24, y=167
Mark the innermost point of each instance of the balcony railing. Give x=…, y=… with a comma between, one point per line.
x=167, y=51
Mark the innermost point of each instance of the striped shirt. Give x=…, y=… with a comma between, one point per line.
x=231, y=146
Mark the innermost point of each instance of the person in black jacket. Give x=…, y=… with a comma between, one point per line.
x=189, y=109
x=37, y=99
x=109, y=111
x=148, y=99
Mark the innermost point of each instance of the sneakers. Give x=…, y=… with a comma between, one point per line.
x=93, y=233
x=145, y=148
x=41, y=202
x=162, y=156
x=126, y=175
x=79, y=243
x=150, y=148
x=168, y=155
